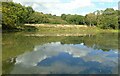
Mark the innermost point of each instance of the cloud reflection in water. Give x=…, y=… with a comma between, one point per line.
x=66, y=58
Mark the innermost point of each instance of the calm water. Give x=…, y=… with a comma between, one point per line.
x=90, y=54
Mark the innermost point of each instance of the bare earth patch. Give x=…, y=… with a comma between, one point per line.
x=55, y=25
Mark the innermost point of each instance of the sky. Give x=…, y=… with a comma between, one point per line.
x=58, y=7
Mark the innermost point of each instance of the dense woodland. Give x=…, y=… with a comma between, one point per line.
x=14, y=16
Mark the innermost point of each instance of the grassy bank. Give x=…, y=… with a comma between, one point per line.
x=67, y=30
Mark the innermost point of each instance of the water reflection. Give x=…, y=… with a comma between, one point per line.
x=66, y=59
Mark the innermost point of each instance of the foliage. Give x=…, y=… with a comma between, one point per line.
x=56, y=20
x=106, y=19
x=109, y=19
x=37, y=17
x=14, y=14
x=73, y=19
x=91, y=19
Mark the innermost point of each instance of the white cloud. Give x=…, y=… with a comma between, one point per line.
x=35, y=5
x=59, y=7
x=105, y=0
x=74, y=4
x=116, y=8
x=56, y=6
x=36, y=0
x=28, y=63
x=61, y=0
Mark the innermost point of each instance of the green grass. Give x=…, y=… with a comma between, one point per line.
x=66, y=30
x=72, y=30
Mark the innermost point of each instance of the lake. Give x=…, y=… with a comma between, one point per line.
x=87, y=54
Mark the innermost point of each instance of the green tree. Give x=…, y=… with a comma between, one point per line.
x=90, y=19
x=73, y=19
x=14, y=15
x=38, y=17
x=109, y=19
x=63, y=16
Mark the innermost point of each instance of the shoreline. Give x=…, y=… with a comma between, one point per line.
x=40, y=35
x=76, y=30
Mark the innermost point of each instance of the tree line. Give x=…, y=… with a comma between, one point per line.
x=15, y=15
